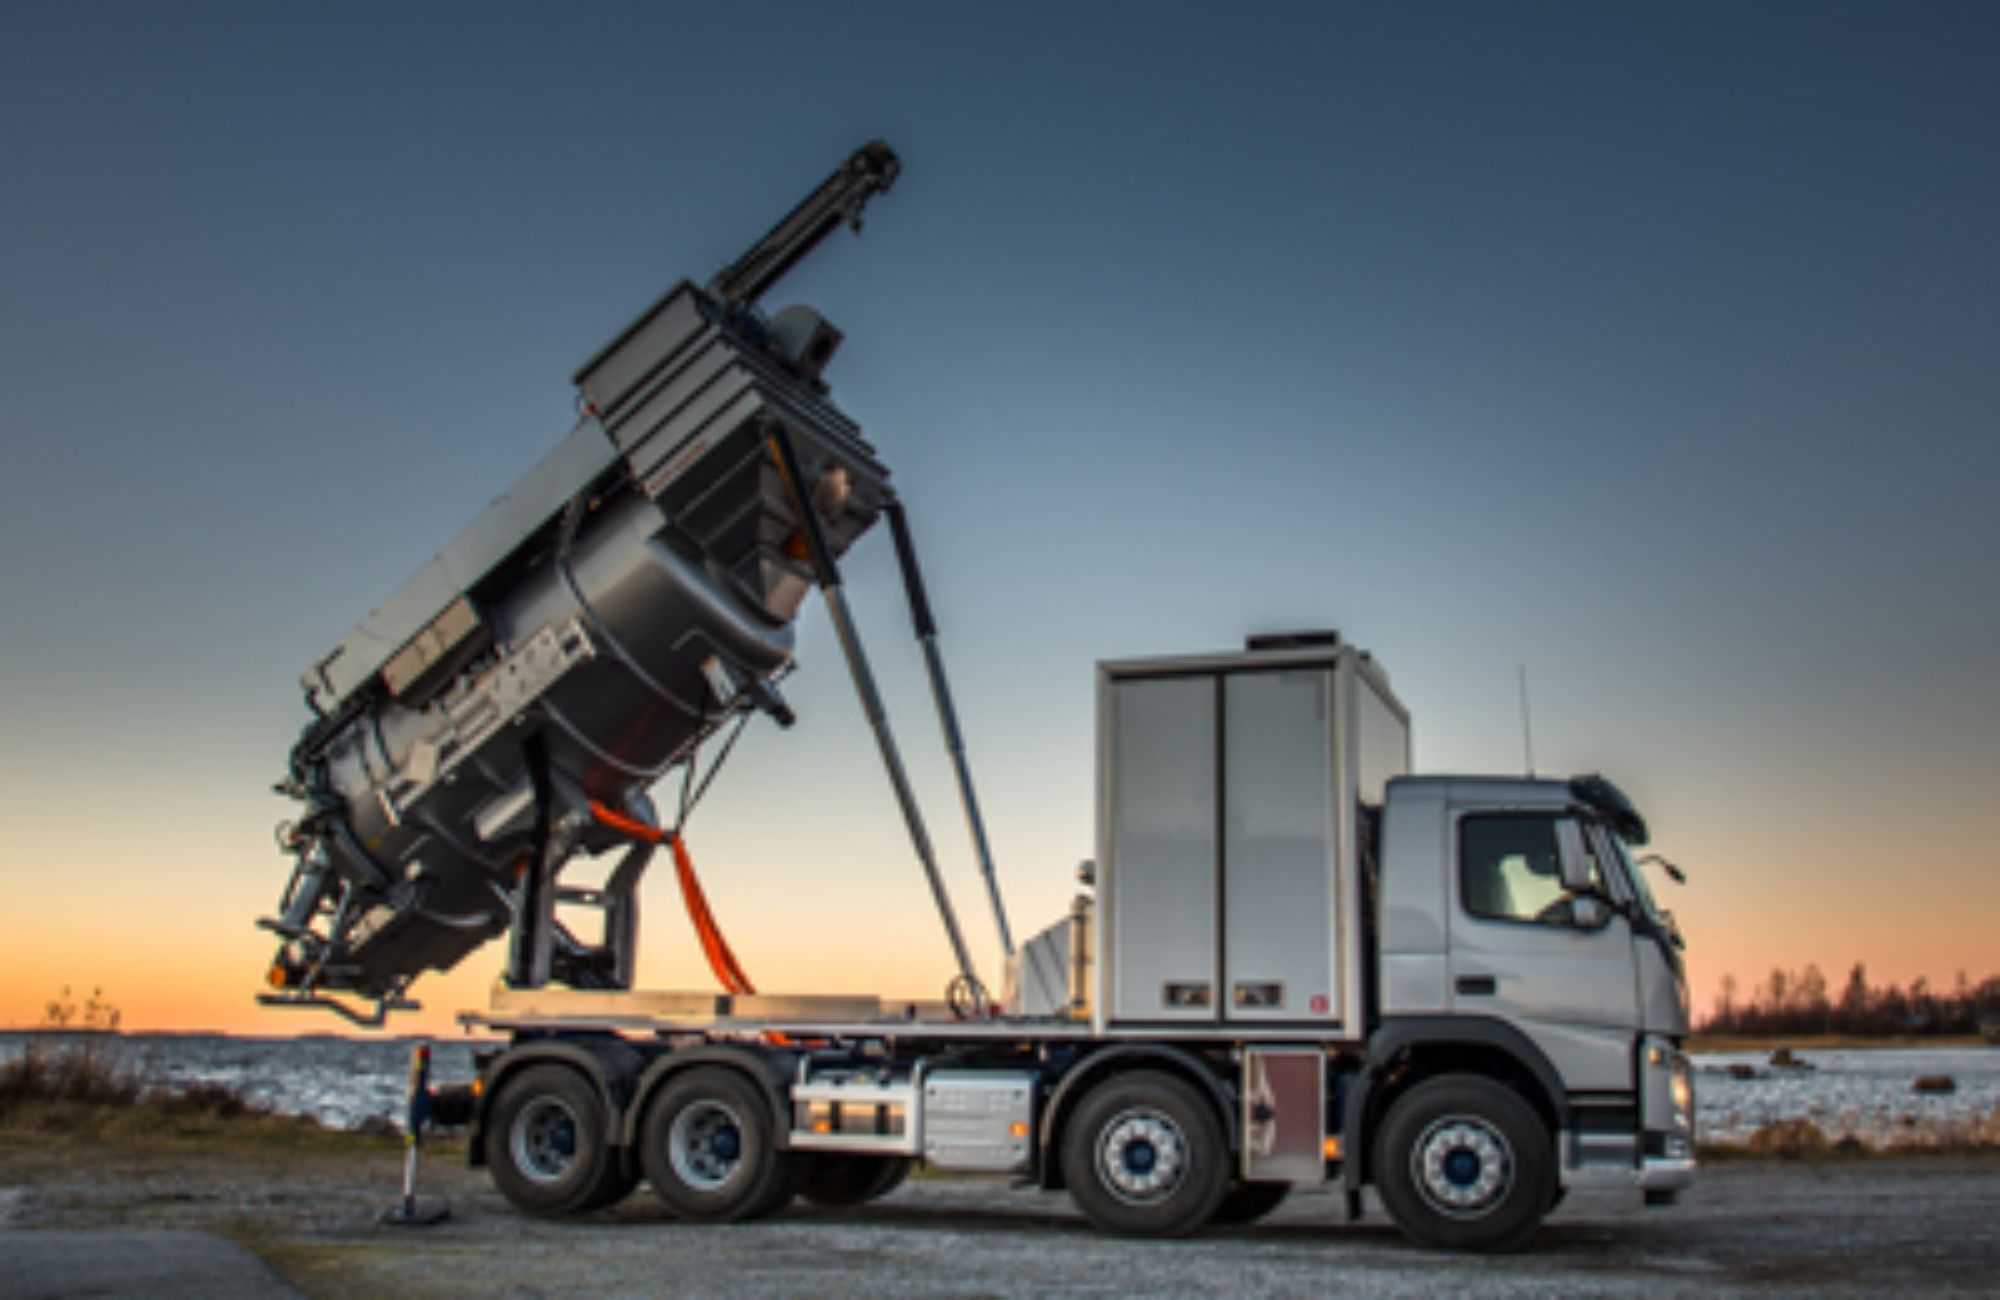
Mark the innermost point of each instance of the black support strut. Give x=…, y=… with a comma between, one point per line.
x=531, y=950
x=954, y=740
x=871, y=699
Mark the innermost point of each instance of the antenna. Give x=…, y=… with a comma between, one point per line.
x=1527, y=725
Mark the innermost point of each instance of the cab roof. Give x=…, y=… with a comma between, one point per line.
x=1595, y=793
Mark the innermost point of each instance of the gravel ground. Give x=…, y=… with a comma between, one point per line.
x=1868, y=1226
x=69, y=1265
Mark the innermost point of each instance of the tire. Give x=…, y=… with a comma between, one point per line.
x=1144, y=1156
x=1465, y=1163
x=843, y=1180
x=709, y=1146
x=1249, y=1202
x=548, y=1144
x=615, y=1186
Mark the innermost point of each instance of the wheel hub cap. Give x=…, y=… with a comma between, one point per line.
x=1142, y=1157
x=544, y=1139
x=1463, y=1166
x=705, y=1145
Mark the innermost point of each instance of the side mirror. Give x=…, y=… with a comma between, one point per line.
x=1589, y=912
x=1674, y=873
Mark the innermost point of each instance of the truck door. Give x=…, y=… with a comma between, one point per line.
x=1519, y=953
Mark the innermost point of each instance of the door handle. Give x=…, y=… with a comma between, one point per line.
x=1480, y=985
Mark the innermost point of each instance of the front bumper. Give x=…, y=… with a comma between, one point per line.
x=1657, y=1159
x=1608, y=1162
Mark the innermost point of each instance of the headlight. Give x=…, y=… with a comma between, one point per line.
x=1682, y=1092
x=1663, y=1055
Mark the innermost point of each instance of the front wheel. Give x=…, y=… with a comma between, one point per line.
x=709, y=1146
x=1465, y=1163
x=1144, y=1156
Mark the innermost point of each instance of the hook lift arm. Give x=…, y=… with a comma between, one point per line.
x=839, y=200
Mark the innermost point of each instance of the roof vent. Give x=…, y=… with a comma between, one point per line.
x=1326, y=640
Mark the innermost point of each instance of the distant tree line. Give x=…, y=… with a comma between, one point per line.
x=1801, y=1002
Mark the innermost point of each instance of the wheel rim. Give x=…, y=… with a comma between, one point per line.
x=705, y=1145
x=544, y=1140
x=1142, y=1156
x=1462, y=1166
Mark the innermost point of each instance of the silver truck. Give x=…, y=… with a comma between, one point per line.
x=1292, y=963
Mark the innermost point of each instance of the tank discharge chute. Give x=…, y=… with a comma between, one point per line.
x=629, y=597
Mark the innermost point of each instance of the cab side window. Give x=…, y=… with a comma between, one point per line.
x=1510, y=869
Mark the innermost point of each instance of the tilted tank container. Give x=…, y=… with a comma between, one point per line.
x=628, y=596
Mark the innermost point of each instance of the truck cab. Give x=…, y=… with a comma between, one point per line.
x=1512, y=911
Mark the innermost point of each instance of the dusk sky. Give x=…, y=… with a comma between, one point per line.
x=1654, y=348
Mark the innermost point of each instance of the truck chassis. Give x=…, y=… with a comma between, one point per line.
x=733, y=1106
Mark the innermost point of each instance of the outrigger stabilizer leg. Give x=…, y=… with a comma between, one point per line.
x=409, y=1213
x=974, y=1000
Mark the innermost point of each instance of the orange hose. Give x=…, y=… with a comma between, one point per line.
x=713, y=946
x=630, y=827
x=720, y=959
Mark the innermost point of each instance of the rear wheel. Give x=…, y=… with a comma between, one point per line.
x=548, y=1146
x=1465, y=1163
x=1249, y=1202
x=839, y=1180
x=709, y=1146
x=1145, y=1156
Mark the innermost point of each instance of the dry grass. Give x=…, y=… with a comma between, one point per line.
x=75, y=1085
x=79, y=1068
x=147, y=1126
x=1801, y=1139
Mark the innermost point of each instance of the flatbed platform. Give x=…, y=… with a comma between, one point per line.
x=666, y=1013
